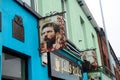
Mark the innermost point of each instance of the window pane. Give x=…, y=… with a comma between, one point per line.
x=36, y=5
x=27, y=2
x=13, y=67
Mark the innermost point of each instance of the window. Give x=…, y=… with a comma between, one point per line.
x=93, y=40
x=63, y=2
x=32, y=3
x=13, y=67
x=27, y=2
x=17, y=28
x=84, y=31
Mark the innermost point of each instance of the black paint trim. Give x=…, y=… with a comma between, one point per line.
x=49, y=64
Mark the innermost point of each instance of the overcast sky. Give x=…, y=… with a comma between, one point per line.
x=111, y=13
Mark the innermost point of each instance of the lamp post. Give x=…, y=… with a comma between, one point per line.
x=104, y=26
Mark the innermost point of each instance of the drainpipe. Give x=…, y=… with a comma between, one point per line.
x=109, y=53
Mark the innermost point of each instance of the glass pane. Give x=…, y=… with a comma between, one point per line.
x=27, y=2
x=11, y=67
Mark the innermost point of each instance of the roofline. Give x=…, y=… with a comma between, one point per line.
x=28, y=8
x=87, y=12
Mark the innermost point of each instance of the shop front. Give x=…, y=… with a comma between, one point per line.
x=63, y=68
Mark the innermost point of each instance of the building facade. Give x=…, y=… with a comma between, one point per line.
x=79, y=26
x=19, y=55
x=105, y=67
x=52, y=40
x=109, y=72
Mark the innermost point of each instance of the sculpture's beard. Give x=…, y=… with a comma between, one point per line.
x=50, y=42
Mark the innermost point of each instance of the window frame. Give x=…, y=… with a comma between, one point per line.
x=24, y=62
x=32, y=3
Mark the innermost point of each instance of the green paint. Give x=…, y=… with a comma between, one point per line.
x=81, y=33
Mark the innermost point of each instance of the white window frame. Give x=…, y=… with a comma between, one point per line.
x=36, y=5
x=27, y=2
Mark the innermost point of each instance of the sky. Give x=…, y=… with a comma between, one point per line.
x=111, y=13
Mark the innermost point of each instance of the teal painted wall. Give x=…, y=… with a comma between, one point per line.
x=85, y=76
x=9, y=9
